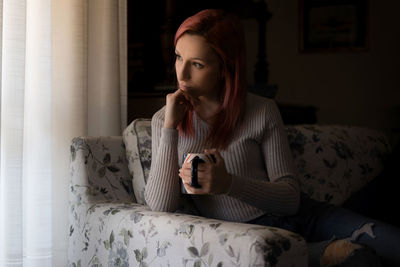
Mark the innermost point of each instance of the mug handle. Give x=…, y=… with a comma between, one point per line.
x=195, y=162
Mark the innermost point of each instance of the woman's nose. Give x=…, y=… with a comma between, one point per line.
x=184, y=72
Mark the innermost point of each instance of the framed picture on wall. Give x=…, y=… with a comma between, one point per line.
x=333, y=25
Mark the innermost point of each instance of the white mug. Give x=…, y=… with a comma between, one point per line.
x=199, y=158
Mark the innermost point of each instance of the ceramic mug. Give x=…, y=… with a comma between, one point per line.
x=195, y=159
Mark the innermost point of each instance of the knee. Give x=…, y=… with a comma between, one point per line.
x=346, y=253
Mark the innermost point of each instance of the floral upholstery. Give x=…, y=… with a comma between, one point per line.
x=333, y=161
x=108, y=227
x=137, y=139
x=105, y=167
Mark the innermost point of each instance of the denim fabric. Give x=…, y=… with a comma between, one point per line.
x=321, y=223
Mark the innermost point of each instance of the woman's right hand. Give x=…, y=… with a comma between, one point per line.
x=177, y=105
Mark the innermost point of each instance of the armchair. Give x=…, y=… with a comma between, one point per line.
x=109, y=228
x=110, y=225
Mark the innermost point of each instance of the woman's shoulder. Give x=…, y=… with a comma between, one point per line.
x=258, y=105
x=159, y=116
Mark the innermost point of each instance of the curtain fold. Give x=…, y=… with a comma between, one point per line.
x=46, y=100
x=69, y=108
x=37, y=135
x=11, y=144
x=25, y=134
x=103, y=68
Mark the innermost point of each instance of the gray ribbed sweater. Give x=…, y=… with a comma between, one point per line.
x=258, y=159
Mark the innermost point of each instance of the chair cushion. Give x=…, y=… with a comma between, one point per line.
x=335, y=161
x=137, y=140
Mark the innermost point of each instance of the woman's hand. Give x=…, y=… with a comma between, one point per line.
x=213, y=177
x=176, y=107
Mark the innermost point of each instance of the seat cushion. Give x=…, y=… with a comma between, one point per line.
x=137, y=140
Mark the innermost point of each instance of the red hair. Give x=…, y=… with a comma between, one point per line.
x=224, y=34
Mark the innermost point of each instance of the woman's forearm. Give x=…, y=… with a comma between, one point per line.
x=280, y=197
x=162, y=191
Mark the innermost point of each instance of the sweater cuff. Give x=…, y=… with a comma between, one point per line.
x=169, y=136
x=237, y=186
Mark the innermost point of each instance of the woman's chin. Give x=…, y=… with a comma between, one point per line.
x=192, y=99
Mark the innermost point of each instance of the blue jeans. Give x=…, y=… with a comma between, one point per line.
x=321, y=223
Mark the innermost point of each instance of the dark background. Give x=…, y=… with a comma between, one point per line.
x=359, y=88
x=148, y=21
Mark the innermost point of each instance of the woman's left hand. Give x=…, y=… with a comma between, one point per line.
x=213, y=177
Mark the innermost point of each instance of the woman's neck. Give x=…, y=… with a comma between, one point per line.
x=207, y=109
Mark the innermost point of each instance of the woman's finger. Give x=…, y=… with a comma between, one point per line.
x=214, y=153
x=192, y=190
x=185, y=172
x=188, y=188
x=176, y=107
x=185, y=178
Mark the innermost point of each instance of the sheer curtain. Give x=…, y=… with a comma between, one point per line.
x=61, y=62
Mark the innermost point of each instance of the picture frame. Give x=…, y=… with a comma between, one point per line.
x=333, y=25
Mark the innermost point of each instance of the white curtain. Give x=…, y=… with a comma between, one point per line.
x=60, y=62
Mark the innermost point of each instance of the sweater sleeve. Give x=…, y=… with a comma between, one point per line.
x=162, y=192
x=281, y=194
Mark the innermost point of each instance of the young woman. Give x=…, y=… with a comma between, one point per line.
x=253, y=179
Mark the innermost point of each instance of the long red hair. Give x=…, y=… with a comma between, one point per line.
x=224, y=34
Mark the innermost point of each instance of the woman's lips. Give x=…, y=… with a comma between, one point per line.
x=185, y=88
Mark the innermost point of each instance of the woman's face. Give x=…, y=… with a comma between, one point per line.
x=198, y=68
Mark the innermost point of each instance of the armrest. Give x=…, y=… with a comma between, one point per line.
x=99, y=171
x=140, y=237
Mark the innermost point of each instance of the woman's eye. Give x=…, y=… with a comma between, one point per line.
x=178, y=57
x=198, y=65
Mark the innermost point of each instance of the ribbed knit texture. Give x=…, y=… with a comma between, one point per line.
x=258, y=158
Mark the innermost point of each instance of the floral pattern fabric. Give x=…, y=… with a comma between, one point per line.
x=137, y=139
x=103, y=163
x=107, y=227
x=335, y=161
